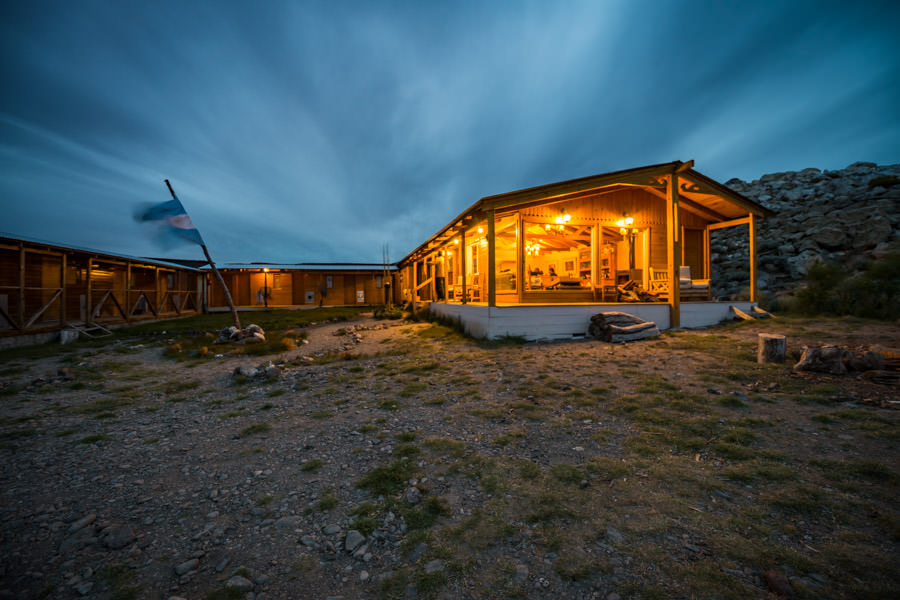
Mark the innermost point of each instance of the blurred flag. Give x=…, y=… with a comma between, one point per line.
x=174, y=219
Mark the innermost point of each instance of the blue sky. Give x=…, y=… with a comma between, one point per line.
x=319, y=131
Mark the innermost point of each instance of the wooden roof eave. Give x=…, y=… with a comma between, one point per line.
x=699, y=183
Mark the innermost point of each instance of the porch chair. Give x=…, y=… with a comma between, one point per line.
x=696, y=289
x=659, y=282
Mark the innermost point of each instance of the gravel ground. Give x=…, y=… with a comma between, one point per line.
x=400, y=460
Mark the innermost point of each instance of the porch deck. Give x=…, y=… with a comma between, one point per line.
x=566, y=321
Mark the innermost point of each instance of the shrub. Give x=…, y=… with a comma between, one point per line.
x=873, y=292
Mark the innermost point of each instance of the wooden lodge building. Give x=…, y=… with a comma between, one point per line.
x=46, y=287
x=258, y=285
x=539, y=262
x=536, y=263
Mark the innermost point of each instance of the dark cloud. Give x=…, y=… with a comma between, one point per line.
x=320, y=131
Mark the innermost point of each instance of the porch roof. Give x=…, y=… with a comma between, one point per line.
x=698, y=193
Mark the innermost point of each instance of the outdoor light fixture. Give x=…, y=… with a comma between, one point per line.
x=456, y=241
x=480, y=230
x=563, y=218
x=624, y=222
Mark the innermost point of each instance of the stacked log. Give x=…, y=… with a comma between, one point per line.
x=621, y=327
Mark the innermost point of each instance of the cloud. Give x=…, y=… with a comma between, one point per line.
x=297, y=131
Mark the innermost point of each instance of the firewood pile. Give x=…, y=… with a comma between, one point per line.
x=631, y=291
x=878, y=364
x=621, y=327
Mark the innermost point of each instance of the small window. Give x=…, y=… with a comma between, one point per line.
x=378, y=281
x=310, y=297
x=329, y=283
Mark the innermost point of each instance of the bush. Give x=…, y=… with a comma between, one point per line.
x=874, y=292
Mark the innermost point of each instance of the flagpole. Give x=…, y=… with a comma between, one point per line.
x=237, y=321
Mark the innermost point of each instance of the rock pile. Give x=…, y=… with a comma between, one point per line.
x=621, y=327
x=851, y=216
x=248, y=335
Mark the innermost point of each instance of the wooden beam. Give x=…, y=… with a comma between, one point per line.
x=62, y=286
x=753, y=290
x=520, y=257
x=88, y=307
x=693, y=207
x=46, y=305
x=492, y=250
x=685, y=166
x=673, y=250
x=21, y=307
x=127, y=289
x=731, y=223
x=415, y=289
x=462, y=263
x=707, y=261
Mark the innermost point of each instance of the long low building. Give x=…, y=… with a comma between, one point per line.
x=261, y=285
x=45, y=287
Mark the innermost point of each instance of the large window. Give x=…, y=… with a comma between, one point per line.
x=558, y=256
x=505, y=254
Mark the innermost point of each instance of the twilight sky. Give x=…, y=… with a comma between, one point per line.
x=319, y=131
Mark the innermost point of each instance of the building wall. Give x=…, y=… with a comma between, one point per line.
x=45, y=287
x=301, y=287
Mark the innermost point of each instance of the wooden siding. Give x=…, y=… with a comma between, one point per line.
x=293, y=286
x=44, y=288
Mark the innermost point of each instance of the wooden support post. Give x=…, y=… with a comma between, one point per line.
x=89, y=310
x=595, y=262
x=707, y=262
x=520, y=258
x=127, y=292
x=20, y=316
x=492, y=250
x=673, y=250
x=753, y=291
x=62, y=287
x=462, y=268
x=415, y=286
x=771, y=348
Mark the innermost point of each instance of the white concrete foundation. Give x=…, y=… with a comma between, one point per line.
x=565, y=321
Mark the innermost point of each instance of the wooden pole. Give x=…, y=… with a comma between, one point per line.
x=672, y=251
x=234, y=314
x=753, y=291
x=492, y=258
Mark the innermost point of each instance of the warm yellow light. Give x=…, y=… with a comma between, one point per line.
x=480, y=230
x=547, y=226
x=625, y=221
x=456, y=241
x=266, y=270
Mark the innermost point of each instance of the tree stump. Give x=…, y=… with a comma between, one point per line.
x=771, y=348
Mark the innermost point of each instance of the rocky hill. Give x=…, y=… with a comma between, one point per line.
x=851, y=216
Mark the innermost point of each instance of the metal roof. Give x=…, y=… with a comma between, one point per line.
x=98, y=253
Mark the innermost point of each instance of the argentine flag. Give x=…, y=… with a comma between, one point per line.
x=173, y=219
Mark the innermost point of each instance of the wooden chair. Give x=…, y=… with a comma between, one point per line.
x=659, y=282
